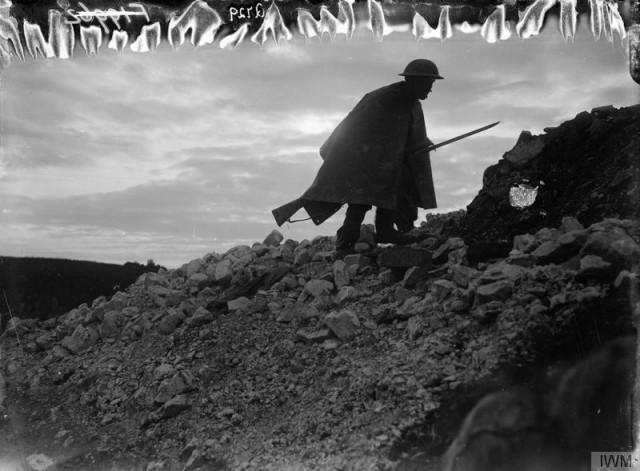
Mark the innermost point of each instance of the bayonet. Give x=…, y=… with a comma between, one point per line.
x=430, y=147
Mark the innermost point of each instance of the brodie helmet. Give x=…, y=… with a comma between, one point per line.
x=421, y=68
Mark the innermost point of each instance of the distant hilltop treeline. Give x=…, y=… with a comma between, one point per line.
x=42, y=288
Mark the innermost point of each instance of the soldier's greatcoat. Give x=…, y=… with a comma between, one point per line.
x=365, y=155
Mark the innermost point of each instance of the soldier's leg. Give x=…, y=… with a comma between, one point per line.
x=386, y=233
x=349, y=233
x=407, y=211
x=406, y=215
x=385, y=219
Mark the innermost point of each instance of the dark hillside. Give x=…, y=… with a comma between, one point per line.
x=43, y=288
x=587, y=167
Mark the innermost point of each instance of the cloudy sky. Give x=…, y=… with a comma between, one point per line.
x=171, y=155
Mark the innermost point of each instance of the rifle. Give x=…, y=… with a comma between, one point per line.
x=429, y=146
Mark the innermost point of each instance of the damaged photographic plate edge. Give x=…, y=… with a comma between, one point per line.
x=67, y=30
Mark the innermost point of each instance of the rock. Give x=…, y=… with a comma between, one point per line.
x=347, y=294
x=626, y=282
x=234, y=253
x=96, y=314
x=117, y=302
x=367, y=237
x=358, y=260
x=174, y=297
x=16, y=327
x=305, y=244
x=289, y=313
x=130, y=312
x=562, y=249
x=416, y=326
x=59, y=351
x=49, y=323
x=462, y=275
x=489, y=312
x=401, y=294
x=273, y=239
x=193, y=267
x=413, y=276
x=289, y=282
x=171, y=320
x=311, y=338
x=310, y=312
x=441, y=255
x=151, y=279
x=112, y=324
x=189, y=306
x=593, y=267
x=157, y=294
x=243, y=261
x=591, y=406
x=361, y=247
x=98, y=301
x=344, y=324
x=484, y=250
x=441, y=289
x=163, y=371
x=200, y=317
x=83, y=338
x=524, y=243
x=198, y=461
x=242, y=277
x=502, y=271
x=340, y=274
x=514, y=413
x=386, y=277
x=521, y=259
x=277, y=274
x=526, y=149
x=325, y=256
x=547, y=234
x=404, y=257
x=180, y=383
x=302, y=257
x=544, y=251
x=496, y=291
x=174, y=407
x=239, y=304
x=411, y=307
x=618, y=249
x=31, y=347
x=570, y=223
x=223, y=273
x=45, y=342
x=318, y=288
x=260, y=249
x=199, y=281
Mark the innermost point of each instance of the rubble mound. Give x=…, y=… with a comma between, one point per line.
x=587, y=167
x=276, y=356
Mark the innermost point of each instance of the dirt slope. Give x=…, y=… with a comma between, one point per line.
x=276, y=357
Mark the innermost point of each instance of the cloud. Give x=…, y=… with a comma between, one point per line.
x=171, y=155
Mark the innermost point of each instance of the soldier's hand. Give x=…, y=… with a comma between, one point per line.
x=430, y=144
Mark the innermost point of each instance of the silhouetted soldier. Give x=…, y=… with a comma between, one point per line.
x=376, y=157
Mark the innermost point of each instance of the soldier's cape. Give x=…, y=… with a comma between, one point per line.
x=364, y=159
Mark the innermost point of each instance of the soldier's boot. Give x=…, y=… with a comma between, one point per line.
x=349, y=233
x=386, y=233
